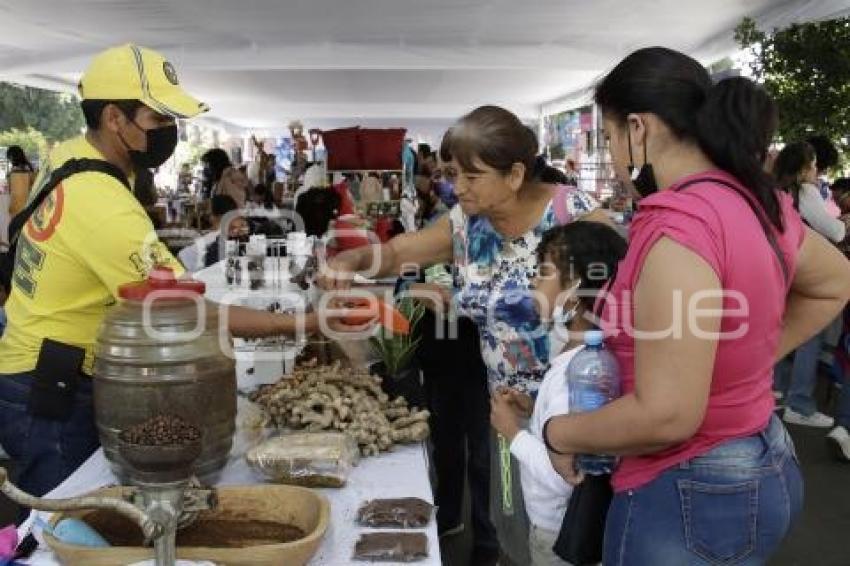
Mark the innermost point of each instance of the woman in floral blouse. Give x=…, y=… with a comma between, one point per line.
x=490, y=238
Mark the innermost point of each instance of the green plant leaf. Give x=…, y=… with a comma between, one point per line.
x=397, y=351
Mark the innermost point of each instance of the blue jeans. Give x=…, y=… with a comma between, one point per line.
x=733, y=505
x=804, y=374
x=45, y=451
x=842, y=364
x=842, y=407
x=781, y=374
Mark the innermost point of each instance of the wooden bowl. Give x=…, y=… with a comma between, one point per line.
x=296, y=506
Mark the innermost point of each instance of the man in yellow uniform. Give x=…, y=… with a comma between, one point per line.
x=88, y=237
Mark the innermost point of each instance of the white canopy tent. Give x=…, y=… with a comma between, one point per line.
x=414, y=63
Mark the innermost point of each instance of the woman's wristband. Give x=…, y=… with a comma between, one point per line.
x=546, y=442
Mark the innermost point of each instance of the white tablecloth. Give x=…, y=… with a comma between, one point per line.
x=402, y=473
x=268, y=365
x=277, y=283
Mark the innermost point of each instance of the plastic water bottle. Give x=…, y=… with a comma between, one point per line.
x=593, y=378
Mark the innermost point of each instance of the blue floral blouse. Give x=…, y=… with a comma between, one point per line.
x=492, y=277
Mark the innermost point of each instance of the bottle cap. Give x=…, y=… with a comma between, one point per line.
x=594, y=338
x=161, y=280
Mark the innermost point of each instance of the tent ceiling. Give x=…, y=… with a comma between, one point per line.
x=260, y=63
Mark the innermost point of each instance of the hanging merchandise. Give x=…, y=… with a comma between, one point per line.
x=408, y=158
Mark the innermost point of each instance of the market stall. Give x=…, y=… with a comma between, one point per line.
x=375, y=468
x=372, y=160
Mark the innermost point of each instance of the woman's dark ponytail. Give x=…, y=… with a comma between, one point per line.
x=540, y=168
x=733, y=121
x=734, y=127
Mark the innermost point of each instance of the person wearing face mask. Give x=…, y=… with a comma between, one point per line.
x=576, y=263
x=83, y=238
x=431, y=207
x=721, y=279
x=490, y=239
x=455, y=385
x=88, y=236
x=444, y=179
x=445, y=191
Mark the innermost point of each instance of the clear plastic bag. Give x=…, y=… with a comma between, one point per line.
x=402, y=513
x=250, y=427
x=391, y=547
x=310, y=459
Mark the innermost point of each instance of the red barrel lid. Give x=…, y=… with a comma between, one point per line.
x=162, y=281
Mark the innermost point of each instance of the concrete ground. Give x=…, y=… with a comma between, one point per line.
x=818, y=537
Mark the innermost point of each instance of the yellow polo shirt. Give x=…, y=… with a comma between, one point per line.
x=88, y=237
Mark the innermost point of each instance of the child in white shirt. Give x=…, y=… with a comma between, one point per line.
x=576, y=263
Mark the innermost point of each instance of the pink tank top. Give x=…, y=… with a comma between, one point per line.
x=716, y=223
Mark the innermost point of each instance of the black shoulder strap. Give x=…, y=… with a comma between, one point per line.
x=757, y=210
x=754, y=206
x=68, y=169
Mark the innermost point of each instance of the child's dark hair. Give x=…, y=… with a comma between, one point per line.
x=586, y=250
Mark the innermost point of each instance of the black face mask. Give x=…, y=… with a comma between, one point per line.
x=643, y=179
x=160, y=145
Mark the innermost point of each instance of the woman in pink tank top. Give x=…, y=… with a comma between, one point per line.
x=721, y=279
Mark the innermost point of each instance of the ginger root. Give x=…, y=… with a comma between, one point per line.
x=414, y=433
x=349, y=400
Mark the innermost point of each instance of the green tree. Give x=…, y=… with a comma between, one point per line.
x=806, y=68
x=57, y=116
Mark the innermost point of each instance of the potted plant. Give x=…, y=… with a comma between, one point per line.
x=396, y=351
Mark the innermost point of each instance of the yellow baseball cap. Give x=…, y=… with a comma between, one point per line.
x=130, y=72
